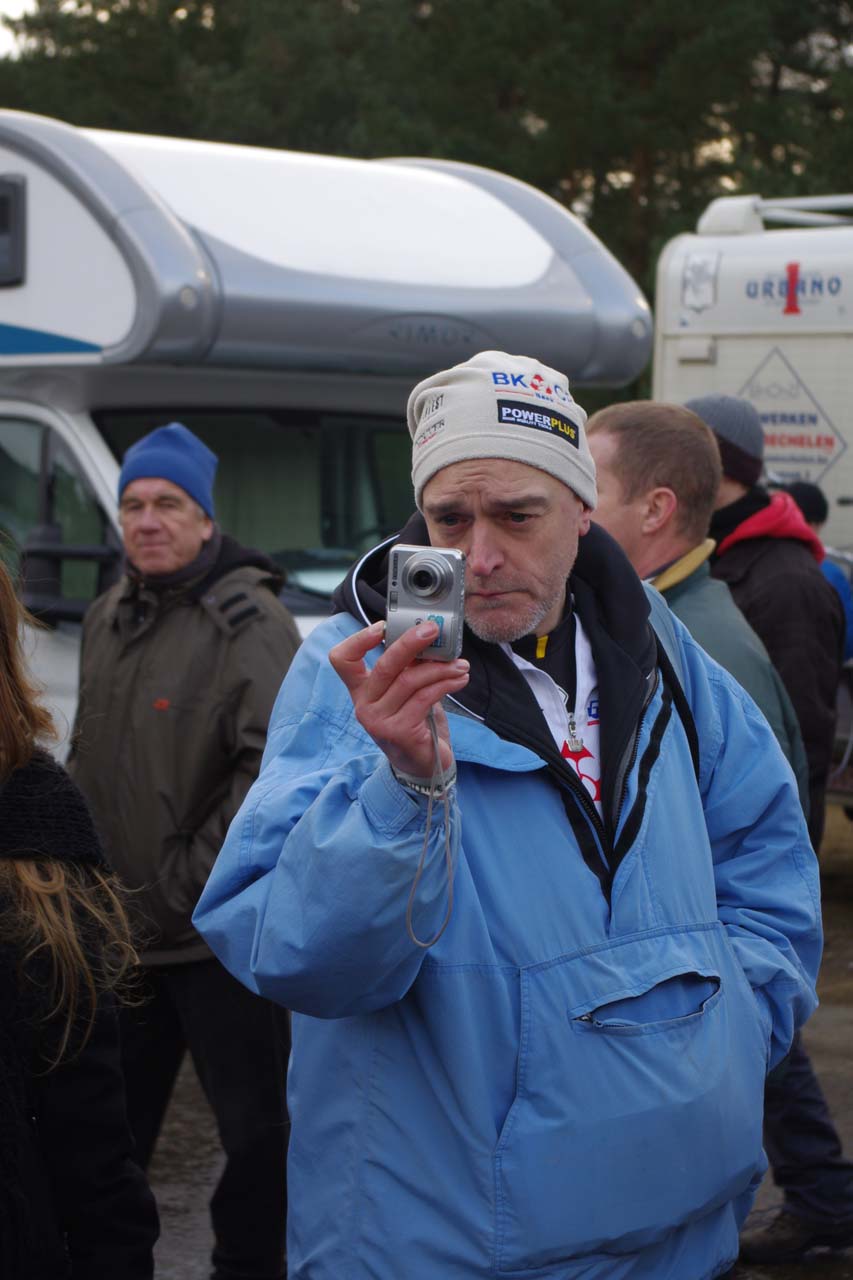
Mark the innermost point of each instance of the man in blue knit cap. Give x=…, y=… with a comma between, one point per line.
x=181, y=663
x=170, y=458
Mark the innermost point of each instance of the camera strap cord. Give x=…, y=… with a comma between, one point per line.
x=439, y=786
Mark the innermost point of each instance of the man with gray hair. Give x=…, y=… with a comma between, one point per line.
x=545, y=912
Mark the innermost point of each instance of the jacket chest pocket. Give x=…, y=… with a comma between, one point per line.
x=639, y=1098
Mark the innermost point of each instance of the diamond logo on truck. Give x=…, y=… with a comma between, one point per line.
x=800, y=440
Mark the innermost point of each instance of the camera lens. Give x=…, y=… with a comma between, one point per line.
x=426, y=575
x=423, y=580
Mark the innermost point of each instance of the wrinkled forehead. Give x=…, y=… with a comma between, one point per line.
x=501, y=482
x=150, y=488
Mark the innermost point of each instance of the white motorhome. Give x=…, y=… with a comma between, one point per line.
x=279, y=304
x=766, y=313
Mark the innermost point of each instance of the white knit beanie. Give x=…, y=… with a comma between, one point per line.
x=500, y=406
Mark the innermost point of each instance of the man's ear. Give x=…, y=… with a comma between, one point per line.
x=661, y=505
x=585, y=520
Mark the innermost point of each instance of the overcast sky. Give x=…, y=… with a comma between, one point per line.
x=11, y=9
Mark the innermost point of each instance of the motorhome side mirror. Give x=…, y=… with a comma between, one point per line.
x=41, y=573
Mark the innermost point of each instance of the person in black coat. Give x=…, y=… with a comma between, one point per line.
x=74, y=1205
x=771, y=559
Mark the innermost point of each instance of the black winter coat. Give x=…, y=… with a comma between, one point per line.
x=73, y=1204
x=771, y=564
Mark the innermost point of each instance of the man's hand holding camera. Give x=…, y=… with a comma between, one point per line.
x=393, y=699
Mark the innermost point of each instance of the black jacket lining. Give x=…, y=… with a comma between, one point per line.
x=649, y=758
x=682, y=706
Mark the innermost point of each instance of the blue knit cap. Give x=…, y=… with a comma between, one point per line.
x=172, y=453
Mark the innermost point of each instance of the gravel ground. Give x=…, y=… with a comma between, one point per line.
x=187, y=1162
x=184, y=1172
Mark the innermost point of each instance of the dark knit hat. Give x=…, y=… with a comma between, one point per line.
x=172, y=453
x=739, y=433
x=811, y=501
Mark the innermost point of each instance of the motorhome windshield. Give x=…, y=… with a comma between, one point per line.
x=312, y=490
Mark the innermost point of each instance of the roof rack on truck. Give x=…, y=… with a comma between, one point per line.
x=740, y=215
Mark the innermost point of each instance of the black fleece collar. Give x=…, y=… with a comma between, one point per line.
x=224, y=555
x=726, y=519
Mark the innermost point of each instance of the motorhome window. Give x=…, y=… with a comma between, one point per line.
x=76, y=510
x=13, y=191
x=311, y=489
x=20, y=470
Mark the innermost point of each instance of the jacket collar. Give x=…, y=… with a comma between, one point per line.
x=681, y=569
x=779, y=518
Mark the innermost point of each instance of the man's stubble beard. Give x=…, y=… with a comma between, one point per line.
x=492, y=631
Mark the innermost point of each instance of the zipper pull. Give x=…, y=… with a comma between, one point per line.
x=575, y=743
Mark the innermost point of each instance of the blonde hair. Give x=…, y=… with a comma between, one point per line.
x=67, y=921
x=70, y=927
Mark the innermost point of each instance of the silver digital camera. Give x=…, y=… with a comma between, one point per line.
x=427, y=584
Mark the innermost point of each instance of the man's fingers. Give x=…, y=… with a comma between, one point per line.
x=404, y=736
x=401, y=654
x=417, y=686
x=392, y=700
x=347, y=657
x=398, y=679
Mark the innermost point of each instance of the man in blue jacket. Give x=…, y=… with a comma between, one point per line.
x=608, y=863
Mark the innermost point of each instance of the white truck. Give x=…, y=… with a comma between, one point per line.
x=766, y=313
x=281, y=305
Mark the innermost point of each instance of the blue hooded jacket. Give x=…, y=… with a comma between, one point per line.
x=569, y=1084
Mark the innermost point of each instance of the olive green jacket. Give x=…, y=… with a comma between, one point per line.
x=714, y=620
x=176, y=689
